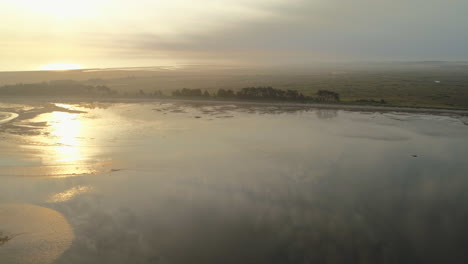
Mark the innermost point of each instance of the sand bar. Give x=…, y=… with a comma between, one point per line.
x=7, y=117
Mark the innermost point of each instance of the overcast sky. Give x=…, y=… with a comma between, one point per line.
x=117, y=33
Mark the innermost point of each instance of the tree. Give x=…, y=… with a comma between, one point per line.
x=158, y=93
x=324, y=95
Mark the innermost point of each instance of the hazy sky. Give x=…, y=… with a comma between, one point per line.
x=114, y=33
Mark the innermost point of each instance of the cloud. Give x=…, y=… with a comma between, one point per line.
x=359, y=29
x=263, y=31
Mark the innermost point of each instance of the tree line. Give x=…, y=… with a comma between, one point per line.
x=260, y=93
x=74, y=88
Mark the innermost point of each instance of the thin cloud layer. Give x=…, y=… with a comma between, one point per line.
x=133, y=33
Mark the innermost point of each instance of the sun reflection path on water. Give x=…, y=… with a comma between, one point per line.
x=68, y=141
x=66, y=129
x=66, y=148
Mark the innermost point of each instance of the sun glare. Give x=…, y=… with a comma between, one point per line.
x=60, y=67
x=60, y=9
x=66, y=128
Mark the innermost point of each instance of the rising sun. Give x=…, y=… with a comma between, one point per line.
x=60, y=67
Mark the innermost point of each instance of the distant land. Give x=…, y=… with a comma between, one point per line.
x=434, y=84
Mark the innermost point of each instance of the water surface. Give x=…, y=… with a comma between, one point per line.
x=176, y=183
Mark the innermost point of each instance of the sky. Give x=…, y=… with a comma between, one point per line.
x=124, y=33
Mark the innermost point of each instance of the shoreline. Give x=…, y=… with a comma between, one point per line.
x=331, y=106
x=345, y=107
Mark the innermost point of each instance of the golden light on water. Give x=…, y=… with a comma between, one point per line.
x=67, y=146
x=66, y=129
x=67, y=154
x=60, y=67
x=70, y=194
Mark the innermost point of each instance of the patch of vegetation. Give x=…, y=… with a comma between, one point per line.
x=371, y=101
x=436, y=88
x=260, y=93
x=190, y=93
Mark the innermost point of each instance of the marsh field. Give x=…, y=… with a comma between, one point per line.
x=161, y=182
x=418, y=84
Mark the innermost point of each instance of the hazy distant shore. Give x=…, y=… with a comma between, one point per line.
x=336, y=106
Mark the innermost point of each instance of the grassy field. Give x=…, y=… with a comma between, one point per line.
x=426, y=85
x=430, y=89
x=400, y=88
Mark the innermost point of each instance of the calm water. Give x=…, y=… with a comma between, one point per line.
x=170, y=183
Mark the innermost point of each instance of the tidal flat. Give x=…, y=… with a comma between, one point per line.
x=173, y=182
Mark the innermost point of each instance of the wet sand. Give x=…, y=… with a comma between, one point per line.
x=341, y=106
x=347, y=107
x=36, y=235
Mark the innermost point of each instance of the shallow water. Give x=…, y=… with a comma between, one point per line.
x=174, y=183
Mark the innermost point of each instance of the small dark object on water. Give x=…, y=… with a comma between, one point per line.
x=414, y=156
x=5, y=238
x=197, y=116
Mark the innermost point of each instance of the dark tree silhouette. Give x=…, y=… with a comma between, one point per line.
x=326, y=96
x=158, y=93
x=269, y=93
x=225, y=93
